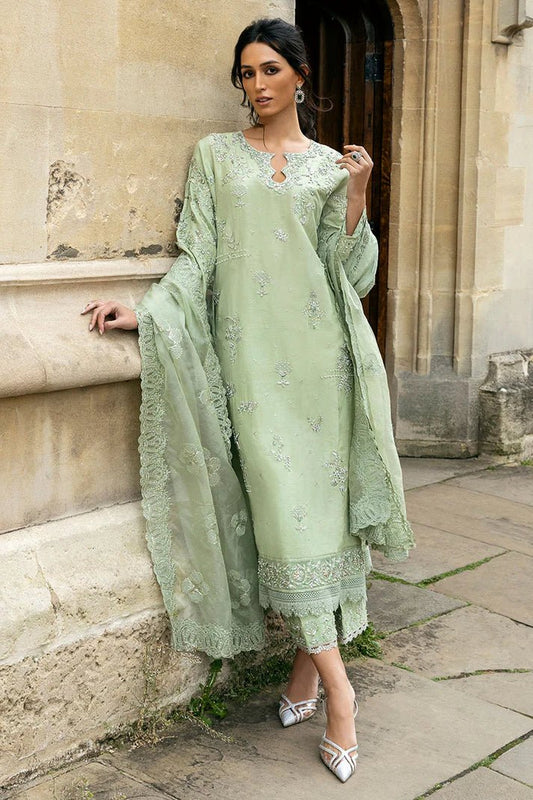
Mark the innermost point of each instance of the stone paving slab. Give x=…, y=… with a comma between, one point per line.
x=503, y=585
x=508, y=689
x=411, y=733
x=423, y=471
x=483, y=784
x=91, y=780
x=436, y=552
x=464, y=640
x=490, y=519
x=393, y=605
x=517, y=762
x=514, y=482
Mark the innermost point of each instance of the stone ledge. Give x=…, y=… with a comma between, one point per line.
x=46, y=344
x=71, y=579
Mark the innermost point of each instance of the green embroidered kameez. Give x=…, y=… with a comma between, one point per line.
x=268, y=462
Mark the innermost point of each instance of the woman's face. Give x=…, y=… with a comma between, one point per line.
x=268, y=79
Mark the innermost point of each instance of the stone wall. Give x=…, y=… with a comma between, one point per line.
x=461, y=277
x=101, y=104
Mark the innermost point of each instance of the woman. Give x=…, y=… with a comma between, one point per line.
x=268, y=465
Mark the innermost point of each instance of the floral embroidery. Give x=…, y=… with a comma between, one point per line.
x=195, y=459
x=238, y=522
x=195, y=587
x=372, y=364
x=337, y=471
x=343, y=372
x=312, y=573
x=277, y=452
x=302, y=208
x=313, y=310
x=315, y=423
x=247, y=406
x=229, y=238
x=239, y=589
x=216, y=296
x=192, y=457
x=263, y=279
x=284, y=369
x=176, y=339
x=212, y=529
x=299, y=513
x=229, y=389
x=212, y=464
x=233, y=335
x=205, y=397
x=238, y=187
x=280, y=234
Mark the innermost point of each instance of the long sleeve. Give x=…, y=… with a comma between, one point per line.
x=377, y=505
x=358, y=252
x=198, y=527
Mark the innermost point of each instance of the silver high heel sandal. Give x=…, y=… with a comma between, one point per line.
x=292, y=713
x=340, y=761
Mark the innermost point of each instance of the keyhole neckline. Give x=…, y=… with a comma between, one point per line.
x=287, y=153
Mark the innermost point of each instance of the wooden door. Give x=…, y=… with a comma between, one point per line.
x=350, y=49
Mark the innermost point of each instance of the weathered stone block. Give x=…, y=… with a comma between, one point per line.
x=506, y=404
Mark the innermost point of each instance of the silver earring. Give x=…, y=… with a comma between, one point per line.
x=299, y=94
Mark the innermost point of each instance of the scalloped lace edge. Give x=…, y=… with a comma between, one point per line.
x=186, y=634
x=216, y=641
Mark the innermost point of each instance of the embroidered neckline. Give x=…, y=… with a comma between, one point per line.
x=287, y=154
x=263, y=159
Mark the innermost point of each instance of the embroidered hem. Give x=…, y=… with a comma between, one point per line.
x=216, y=641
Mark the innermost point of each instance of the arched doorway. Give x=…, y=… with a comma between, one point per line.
x=350, y=48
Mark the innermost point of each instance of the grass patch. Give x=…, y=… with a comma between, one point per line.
x=485, y=762
x=527, y=462
x=391, y=578
x=479, y=672
x=401, y=666
x=426, y=581
x=366, y=644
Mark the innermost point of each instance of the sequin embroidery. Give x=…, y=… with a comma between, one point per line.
x=337, y=471
x=277, y=451
x=263, y=279
x=343, y=372
x=313, y=310
x=247, y=406
x=233, y=335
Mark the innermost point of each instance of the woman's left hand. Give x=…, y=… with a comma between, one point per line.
x=359, y=169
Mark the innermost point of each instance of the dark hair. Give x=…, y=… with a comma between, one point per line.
x=285, y=39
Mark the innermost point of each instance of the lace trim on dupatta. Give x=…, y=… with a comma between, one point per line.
x=187, y=634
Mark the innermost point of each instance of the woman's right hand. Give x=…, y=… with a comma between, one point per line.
x=109, y=314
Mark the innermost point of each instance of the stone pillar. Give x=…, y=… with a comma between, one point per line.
x=460, y=288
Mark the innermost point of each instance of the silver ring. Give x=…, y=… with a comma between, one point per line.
x=356, y=156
